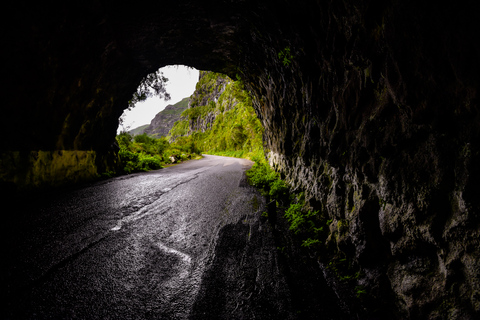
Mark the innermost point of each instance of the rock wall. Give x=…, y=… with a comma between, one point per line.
x=165, y=119
x=371, y=108
x=209, y=88
x=373, y=111
x=212, y=96
x=55, y=168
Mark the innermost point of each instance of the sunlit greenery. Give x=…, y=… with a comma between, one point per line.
x=236, y=130
x=267, y=180
x=144, y=153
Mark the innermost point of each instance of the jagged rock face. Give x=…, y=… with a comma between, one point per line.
x=165, y=119
x=376, y=116
x=206, y=95
x=370, y=108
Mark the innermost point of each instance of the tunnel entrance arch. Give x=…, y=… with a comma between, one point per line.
x=374, y=103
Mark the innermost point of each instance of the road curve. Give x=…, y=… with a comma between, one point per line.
x=143, y=246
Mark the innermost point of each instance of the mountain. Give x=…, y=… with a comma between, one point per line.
x=165, y=119
x=138, y=130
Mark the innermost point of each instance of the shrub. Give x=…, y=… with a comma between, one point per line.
x=162, y=145
x=126, y=155
x=143, y=138
x=144, y=153
x=124, y=139
x=279, y=189
x=267, y=180
x=147, y=163
x=309, y=225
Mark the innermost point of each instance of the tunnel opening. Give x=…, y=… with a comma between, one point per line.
x=216, y=117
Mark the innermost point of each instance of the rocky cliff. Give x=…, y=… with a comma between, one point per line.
x=369, y=107
x=165, y=119
x=220, y=117
x=209, y=88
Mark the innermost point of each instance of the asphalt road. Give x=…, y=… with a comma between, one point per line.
x=144, y=246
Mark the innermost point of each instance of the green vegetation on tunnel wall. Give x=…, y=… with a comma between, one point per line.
x=220, y=119
x=52, y=168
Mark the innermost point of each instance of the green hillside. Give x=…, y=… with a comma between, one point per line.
x=179, y=107
x=138, y=130
x=164, y=120
x=220, y=119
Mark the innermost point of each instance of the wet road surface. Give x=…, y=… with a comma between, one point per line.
x=156, y=245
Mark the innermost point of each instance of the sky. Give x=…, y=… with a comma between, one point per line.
x=181, y=84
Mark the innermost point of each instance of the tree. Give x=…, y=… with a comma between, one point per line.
x=151, y=85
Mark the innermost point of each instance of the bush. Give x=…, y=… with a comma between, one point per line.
x=162, y=145
x=279, y=189
x=143, y=138
x=267, y=180
x=128, y=159
x=144, y=153
x=147, y=163
x=124, y=139
x=308, y=225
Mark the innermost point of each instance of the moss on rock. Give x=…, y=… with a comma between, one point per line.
x=37, y=169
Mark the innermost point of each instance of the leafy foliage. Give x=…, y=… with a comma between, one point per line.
x=299, y=220
x=235, y=130
x=151, y=85
x=285, y=56
x=144, y=153
x=267, y=180
x=309, y=225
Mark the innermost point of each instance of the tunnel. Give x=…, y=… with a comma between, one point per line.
x=371, y=108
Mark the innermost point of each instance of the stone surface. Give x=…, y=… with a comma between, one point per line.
x=371, y=108
x=209, y=88
x=376, y=118
x=53, y=167
x=165, y=119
